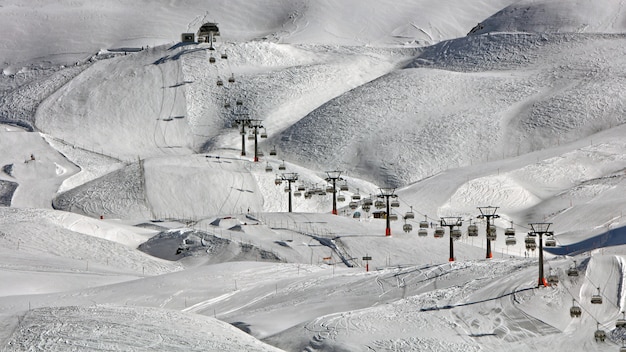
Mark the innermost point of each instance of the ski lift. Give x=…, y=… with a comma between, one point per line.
x=344, y=187
x=422, y=232
x=599, y=335
x=273, y=151
x=575, y=310
x=379, y=204
x=393, y=217
x=251, y=136
x=321, y=191
x=407, y=228
x=353, y=205
x=341, y=198
x=301, y=188
x=424, y=223
x=366, y=207
x=597, y=298
x=439, y=232
x=287, y=189
x=220, y=82
x=212, y=59
x=238, y=102
x=330, y=189
x=455, y=233
x=260, y=153
x=231, y=79
x=553, y=279
x=269, y=168
x=395, y=203
x=282, y=166
x=472, y=230
x=409, y=214
x=550, y=242
x=491, y=233
x=227, y=104
x=530, y=243
x=572, y=271
x=356, y=196
x=224, y=56
x=509, y=231
x=368, y=201
x=263, y=133
x=510, y=241
x=307, y=195
x=621, y=322
x=297, y=193
x=278, y=181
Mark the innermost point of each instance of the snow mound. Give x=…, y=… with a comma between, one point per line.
x=557, y=16
x=127, y=328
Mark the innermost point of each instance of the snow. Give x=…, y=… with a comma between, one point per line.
x=138, y=225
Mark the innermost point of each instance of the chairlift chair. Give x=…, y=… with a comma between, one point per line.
x=211, y=59
x=231, y=79
x=407, y=228
x=509, y=231
x=472, y=230
x=353, y=205
x=239, y=102
x=379, y=204
x=341, y=198
x=455, y=233
x=282, y=166
x=510, y=241
x=273, y=151
x=224, y=55
x=263, y=133
x=599, y=334
x=356, y=196
x=409, y=214
x=368, y=202
x=297, y=193
x=422, y=232
x=424, y=223
x=251, y=136
x=278, y=181
x=553, y=279
x=344, y=187
x=550, y=242
x=269, y=168
x=439, y=232
x=621, y=322
x=220, y=82
x=394, y=203
x=575, y=310
x=301, y=188
x=366, y=207
x=572, y=271
x=393, y=217
x=287, y=188
x=330, y=189
x=227, y=104
x=597, y=298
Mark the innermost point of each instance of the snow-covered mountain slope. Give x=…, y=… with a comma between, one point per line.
x=161, y=227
